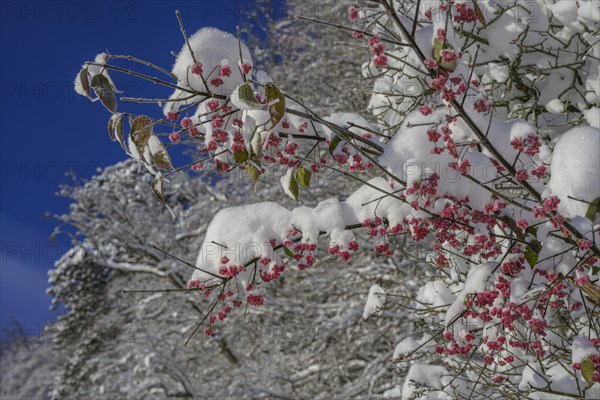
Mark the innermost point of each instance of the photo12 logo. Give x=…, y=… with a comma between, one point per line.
x=58, y=333
x=69, y=12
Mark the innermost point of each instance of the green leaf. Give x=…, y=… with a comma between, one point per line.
x=479, y=13
x=532, y=230
x=288, y=252
x=531, y=256
x=246, y=94
x=140, y=133
x=85, y=82
x=276, y=101
x=593, y=209
x=438, y=46
x=294, y=187
x=334, y=143
x=304, y=176
x=240, y=156
x=104, y=91
x=252, y=173
x=587, y=370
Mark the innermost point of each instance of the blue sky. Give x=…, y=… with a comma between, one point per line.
x=47, y=130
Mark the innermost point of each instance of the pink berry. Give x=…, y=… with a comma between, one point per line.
x=522, y=175
x=197, y=69
x=246, y=68
x=425, y=110
x=380, y=61
x=225, y=70
x=186, y=123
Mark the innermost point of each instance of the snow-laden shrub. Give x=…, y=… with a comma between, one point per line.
x=481, y=138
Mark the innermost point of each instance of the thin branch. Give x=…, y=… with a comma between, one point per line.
x=184, y=262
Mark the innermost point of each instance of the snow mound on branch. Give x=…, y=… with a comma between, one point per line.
x=410, y=344
x=582, y=348
x=411, y=142
x=429, y=376
x=409, y=155
x=575, y=170
x=435, y=293
x=244, y=233
x=375, y=301
x=211, y=47
x=347, y=121
x=502, y=133
x=593, y=116
x=241, y=234
x=533, y=377
x=375, y=199
x=328, y=216
x=394, y=393
x=476, y=282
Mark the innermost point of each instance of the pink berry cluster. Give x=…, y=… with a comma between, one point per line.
x=377, y=47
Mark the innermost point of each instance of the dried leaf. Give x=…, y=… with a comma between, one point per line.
x=276, y=101
x=85, y=82
x=479, y=13
x=119, y=130
x=104, y=91
x=160, y=155
x=111, y=128
x=162, y=160
x=259, y=148
x=157, y=187
x=141, y=131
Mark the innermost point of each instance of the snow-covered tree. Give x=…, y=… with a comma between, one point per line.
x=317, y=62
x=311, y=341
